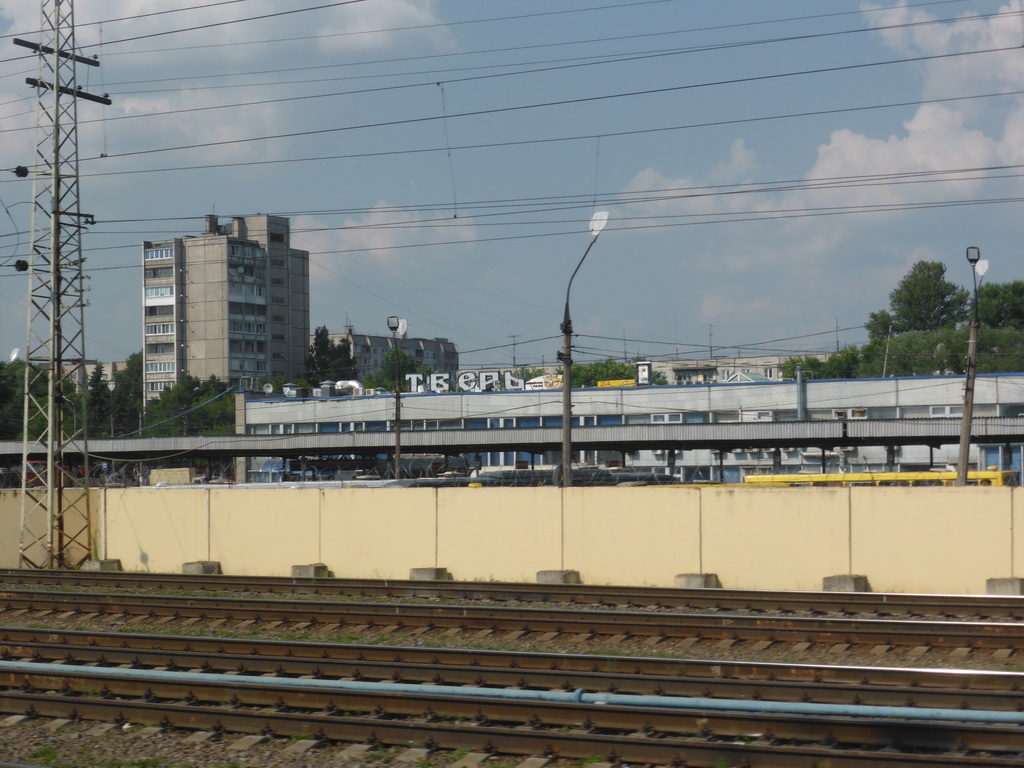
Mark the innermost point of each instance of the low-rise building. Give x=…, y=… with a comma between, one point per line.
x=368, y=351
x=926, y=397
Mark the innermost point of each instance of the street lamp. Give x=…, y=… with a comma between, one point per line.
x=393, y=324
x=110, y=388
x=979, y=267
x=597, y=223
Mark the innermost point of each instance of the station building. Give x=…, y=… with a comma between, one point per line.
x=925, y=397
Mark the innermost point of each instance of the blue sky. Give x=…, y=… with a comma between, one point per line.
x=771, y=170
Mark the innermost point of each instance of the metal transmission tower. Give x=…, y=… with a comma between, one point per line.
x=55, y=504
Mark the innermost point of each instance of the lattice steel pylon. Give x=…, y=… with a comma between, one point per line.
x=55, y=515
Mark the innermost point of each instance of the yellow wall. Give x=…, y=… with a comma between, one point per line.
x=508, y=537
x=902, y=539
x=639, y=536
x=378, y=533
x=950, y=539
x=10, y=527
x=154, y=529
x=751, y=533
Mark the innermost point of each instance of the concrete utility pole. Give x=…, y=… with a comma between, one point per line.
x=54, y=520
x=394, y=323
x=597, y=223
x=978, y=268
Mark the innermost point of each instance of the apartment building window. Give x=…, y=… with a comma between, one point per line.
x=245, y=289
x=277, y=318
x=277, y=281
x=277, y=262
x=278, y=337
x=159, y=349
x=159, y=253
x=159, y=290
x=160, y=272
x=159, y=310
x=239, y=326
x=246, y=347
x=278, y=299
x=278, y=355
x=167, y=367
x=238, y=308
x=158, y=386
x=161, y=329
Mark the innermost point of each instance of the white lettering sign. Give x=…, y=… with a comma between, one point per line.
x=467, y=381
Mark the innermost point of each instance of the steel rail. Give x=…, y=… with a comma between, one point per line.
x=613, y=624
x=918, y=690
x=631, y=749
x=990, y=606
x=442, y=659
x=143, y=698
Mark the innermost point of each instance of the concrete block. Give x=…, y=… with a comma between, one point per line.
x=7, y=722
x=302, y=746
x=247, y=742
x=1007, y=586
x=845, y=583
x=697, y=581
x=472, y=760
x=101, y=565
x=200, y=737
x=202, y=567
x=429, y=574
x=412, y=755
x=356, y=751
x=558, y=577
x=311, y=571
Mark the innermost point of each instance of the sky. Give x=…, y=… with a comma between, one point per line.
x=770, y=170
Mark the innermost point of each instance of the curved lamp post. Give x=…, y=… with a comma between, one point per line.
x=393, y=323
x=597, y=223
x=979, y=267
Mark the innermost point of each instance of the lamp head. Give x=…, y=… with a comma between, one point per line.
x=393, y=323
x=597, y=222
x=973, y=254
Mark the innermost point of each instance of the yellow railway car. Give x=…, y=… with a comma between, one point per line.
x=924, y=478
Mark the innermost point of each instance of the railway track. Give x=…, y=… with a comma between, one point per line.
x=678, y=711
x=685, y=629
x=287, y=705
x=656, y=676
x=755, y=601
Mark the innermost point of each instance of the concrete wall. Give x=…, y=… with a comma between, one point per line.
x=902, y=539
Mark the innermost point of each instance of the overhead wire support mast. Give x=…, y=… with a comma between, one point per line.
x=55, y=516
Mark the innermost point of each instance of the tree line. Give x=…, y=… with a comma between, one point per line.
x=925, y=328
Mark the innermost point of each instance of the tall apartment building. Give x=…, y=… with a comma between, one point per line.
x=232, y=302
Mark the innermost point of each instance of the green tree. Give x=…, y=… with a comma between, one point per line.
x=529, y=373
x=1001, y=305
x=12, y=385
x=839, y=365
x=328, y=359
x=589, y=374
x=126, y=403
x=924, y=300
x=98, y=402
x=396, y=362
x=193, y=407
